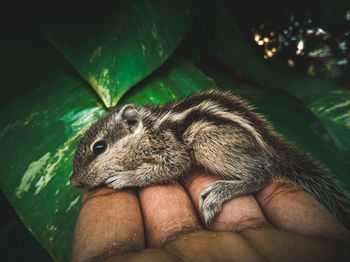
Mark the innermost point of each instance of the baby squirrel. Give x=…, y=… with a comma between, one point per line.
x=136, y=146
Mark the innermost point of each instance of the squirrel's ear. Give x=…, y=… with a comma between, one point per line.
x=130, y=117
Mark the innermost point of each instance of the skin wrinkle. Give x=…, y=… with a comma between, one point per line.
x=85, y=200
x=173, y=229
x=110, y=252
x=189, y=249
x=283, y=187
x=173, y=247
x=178, y=234
x=248, y=223
x=161, y=254
x=253, y=245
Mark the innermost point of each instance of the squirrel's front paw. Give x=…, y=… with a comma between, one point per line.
x=117, y=182
x=210, y=202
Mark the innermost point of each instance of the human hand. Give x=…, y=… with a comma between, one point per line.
x=161, y=223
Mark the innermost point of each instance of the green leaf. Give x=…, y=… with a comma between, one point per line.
x=39, y=130
x=37, y=172
x=117, y=45
x=36, y=180
x=179, y=80
x=329, y=102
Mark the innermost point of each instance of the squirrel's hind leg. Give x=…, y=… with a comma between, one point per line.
x=217, y=193
x=232, y=154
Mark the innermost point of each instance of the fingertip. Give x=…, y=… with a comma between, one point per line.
x=167, y=212
x=109, y=221
x=289, y=207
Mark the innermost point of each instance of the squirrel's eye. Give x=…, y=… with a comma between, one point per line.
x=99, y=147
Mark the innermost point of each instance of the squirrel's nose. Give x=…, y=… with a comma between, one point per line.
x=74, y=182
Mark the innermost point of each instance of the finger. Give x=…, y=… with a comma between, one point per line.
x=290, y=208
x=109, y=222
x=237, y=214
x=167, y=212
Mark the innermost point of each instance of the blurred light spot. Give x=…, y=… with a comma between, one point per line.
x=290, y=63
x=321, y=52
x=320, y=31
x=260, y=42
x=300, y=47
x=257, y=37
x=326, y=36
x=347, y=15
x=311, y=70
x=342, y=46
x=309, y=31
x=343, y=61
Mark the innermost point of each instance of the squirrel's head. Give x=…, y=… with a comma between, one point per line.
x=106, y=147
